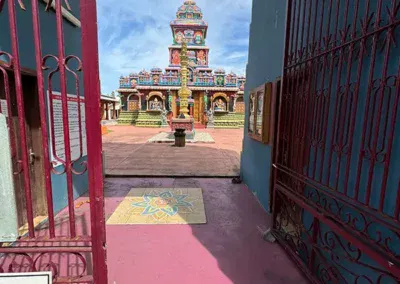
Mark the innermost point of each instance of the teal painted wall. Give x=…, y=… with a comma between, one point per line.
x=266, y=50
x=265, y=64
x=72, y=37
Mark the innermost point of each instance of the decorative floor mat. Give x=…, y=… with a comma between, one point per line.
x=160, y=206
x=165, y=137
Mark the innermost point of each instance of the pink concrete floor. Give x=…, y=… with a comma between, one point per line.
x=228, y=249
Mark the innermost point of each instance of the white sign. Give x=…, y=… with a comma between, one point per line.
x=73, y=122
x=26, y=278
x=3, y=107
x=8, y=207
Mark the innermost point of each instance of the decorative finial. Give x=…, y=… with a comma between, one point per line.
x=184, y=92
x=184, y=63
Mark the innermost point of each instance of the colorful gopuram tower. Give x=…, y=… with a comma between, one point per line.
x=145, y=94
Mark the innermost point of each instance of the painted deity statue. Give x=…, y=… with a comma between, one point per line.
x=219, y=105
x=155, y=105
x=198, y=38
x=156, y=79
x=210, y=115
x=192, y=57
x=179, y=37
x=201, y=58
x=220, y=81
x=164, y=117
x=176, y=57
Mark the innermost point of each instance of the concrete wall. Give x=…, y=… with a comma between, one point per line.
x=265, y=64
x=72, y=37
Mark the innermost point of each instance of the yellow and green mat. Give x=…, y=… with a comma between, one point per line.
x=160, y=206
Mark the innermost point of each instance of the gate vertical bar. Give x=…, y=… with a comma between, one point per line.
x=281, y=99
x=65, y=116
x=94, y=146
x=21, y=115
x=42, y=104
x=389, y=39
x=356, y=92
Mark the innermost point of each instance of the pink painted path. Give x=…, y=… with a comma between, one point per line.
x=228, y=249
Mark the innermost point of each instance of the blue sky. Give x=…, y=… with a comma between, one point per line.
x=135, y=34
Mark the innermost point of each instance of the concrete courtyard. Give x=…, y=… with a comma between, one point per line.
x=127, y=153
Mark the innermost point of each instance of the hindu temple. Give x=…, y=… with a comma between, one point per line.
x=146, y=96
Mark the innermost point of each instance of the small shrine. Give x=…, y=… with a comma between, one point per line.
x=211, y=90
x=155, y=102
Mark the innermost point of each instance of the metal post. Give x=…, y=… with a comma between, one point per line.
x=94, y=145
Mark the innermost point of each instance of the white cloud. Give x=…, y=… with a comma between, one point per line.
x=135, y=34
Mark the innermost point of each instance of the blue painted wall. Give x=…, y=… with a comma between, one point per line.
x=265, y=63
x=72, y=37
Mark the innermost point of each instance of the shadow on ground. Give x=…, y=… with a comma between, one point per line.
x=166, y=160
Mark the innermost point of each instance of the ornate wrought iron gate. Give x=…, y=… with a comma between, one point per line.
x=61, y=245
x=337, y=186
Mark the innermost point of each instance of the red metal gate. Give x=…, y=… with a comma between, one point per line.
x=64, y=246
x=337, y=186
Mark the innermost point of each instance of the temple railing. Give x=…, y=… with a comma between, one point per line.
x=167, y=80
x=145, y=82
x=204, y=84
x=230, y=85
x=176, y=83
x=124, y=85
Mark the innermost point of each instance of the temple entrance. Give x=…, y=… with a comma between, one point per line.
x=240, y=106
x=198, y=107
x=133, y=102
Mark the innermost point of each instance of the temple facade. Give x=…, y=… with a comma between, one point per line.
x=148, y=94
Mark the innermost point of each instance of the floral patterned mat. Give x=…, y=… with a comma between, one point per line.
x=160, y=206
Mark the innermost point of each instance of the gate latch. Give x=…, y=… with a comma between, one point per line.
x=32, y=156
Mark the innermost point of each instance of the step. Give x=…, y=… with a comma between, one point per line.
x=199, y=126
